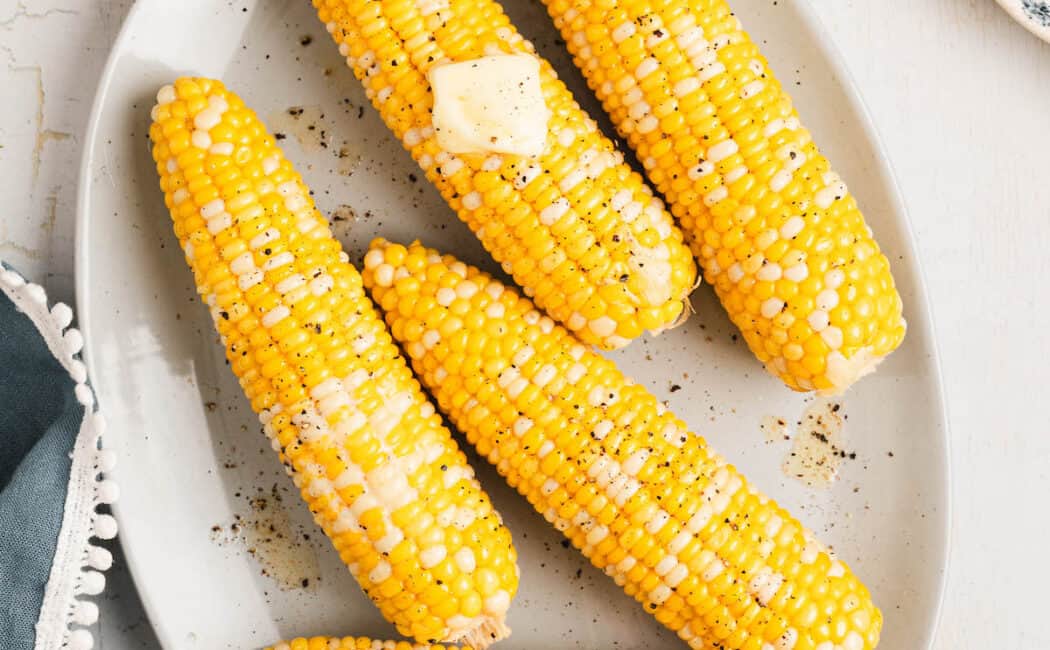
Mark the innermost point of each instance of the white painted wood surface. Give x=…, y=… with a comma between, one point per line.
x=961, y=95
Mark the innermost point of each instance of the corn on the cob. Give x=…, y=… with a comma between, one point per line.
x=380, y=472
x=575, y=227
x=601, y=458
x=774, y=228
x=353, y=643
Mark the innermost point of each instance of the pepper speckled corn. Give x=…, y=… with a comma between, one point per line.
x=575, y=227
x=775, y=229
x=601, y=458
x=353, y=643
x=380, y=472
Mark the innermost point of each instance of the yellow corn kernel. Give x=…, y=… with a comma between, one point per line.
x=567, y=224
x=679, y=528
x=754, y=196
x=333, y=393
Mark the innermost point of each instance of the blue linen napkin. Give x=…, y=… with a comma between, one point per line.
x=50, y=476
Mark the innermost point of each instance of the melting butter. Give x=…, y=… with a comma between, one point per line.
x=490, y=104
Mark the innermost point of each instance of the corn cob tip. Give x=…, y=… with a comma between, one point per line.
x=489, y=632
x=385, y=277
x=687, y=310
x=842, y=372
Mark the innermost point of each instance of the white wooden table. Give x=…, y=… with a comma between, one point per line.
x=962, y=97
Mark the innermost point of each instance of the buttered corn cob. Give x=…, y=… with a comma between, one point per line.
x=775, y=229
x=352, y=643
x=377, y=468
x=601, y=458
x=574, y=226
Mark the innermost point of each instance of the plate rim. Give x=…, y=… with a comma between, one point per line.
x=885, y=171
x=855, y=98
x=81, y=285
x=888, y=173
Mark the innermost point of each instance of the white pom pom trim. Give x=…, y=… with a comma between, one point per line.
x=85, y=613
x=78, y=371
x=74, y=340
x=92, y=582
x=105, y=527
x=78, y=563
x=107, y=460
x=36, y=293
x=62, y=315
x=80, y=640
x=99, y=558
x=108, y=492
x=10, y=280
x=84, y=395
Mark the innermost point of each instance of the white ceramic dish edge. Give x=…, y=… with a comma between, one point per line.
x=856, y=99
x=83, y=218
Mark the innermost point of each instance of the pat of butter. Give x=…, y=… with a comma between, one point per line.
x=491, y=104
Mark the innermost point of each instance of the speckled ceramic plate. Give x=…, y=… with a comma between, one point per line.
x=224, y=554
x=1033, y=14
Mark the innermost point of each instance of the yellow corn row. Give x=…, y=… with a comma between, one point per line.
x=623, y=478
x=353, y=643
x=377, y=468
x=774, y=228
x=575, y=227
